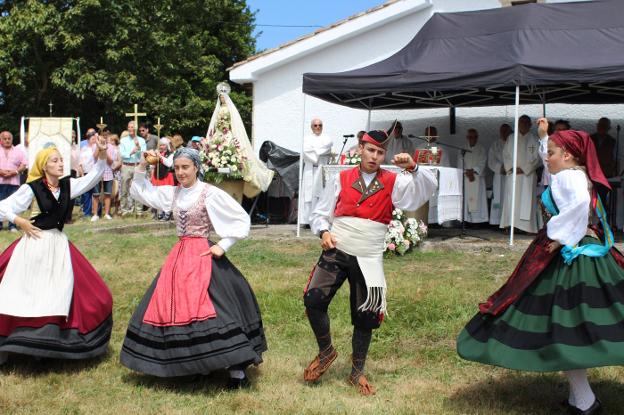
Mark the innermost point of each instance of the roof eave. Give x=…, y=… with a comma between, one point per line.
x=246, y=72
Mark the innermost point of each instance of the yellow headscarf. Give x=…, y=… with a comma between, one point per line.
x=36, y=171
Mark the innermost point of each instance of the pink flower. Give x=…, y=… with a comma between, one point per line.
x=391, y=247
x=220, y=147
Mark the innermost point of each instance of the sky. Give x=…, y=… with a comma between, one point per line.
x=316, y=13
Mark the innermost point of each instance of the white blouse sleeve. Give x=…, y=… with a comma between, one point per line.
x=87, y=182
x=168, y=161
x=570, y=194
x=157, y=197
x=323, y=212
x=17, y=203
x=228, y=217
x=412, y=190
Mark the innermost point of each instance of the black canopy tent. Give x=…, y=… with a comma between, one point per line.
x=541, y=53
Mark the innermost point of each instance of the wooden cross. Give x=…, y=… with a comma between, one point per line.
x=158, y=127
x=101, y=126
x=136, y=114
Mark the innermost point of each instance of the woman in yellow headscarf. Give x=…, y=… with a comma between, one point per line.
x=52, y=302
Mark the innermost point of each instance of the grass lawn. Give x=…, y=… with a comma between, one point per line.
x=412, y=361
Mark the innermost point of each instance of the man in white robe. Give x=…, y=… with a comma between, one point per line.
x=316, y=152
x=528, y=160
x=475, y=203
x=496, y=163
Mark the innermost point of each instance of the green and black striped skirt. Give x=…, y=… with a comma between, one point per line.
x=571, y=317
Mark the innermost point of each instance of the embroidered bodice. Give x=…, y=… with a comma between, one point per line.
x=195, y=220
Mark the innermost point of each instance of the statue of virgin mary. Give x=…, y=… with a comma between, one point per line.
x=226, y=125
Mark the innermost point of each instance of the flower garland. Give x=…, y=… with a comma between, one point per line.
x=403, y=233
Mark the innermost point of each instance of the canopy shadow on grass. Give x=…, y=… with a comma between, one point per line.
x=528, y=393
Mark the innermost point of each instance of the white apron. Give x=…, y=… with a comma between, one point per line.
x=39, y=280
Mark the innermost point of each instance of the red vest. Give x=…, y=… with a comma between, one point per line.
x=374, y=202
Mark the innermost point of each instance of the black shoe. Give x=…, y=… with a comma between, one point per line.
x=235, y=383
x=596, y=408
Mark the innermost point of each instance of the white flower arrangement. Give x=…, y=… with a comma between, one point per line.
x=403, y=233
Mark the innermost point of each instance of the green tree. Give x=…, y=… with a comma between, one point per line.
x=99, y=57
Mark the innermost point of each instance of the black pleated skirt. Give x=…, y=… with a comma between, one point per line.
x=235, y=337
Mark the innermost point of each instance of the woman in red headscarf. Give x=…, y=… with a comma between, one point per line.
x=562, y=309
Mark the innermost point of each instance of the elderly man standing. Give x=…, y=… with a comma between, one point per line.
x=475, y=204
x=528, y=161
x=12, y=162
x=316, y=152
x=496, y=163
x=131, y=147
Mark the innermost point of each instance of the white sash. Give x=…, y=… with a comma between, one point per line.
x=364, y=239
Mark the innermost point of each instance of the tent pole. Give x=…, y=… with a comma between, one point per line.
x=299, y=198
x=544, y=110
x=368, y=120
x=514, y=167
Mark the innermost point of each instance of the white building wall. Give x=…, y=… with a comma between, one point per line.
x=278, y=103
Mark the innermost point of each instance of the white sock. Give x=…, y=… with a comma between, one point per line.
x=580, y=391
x=237, y=374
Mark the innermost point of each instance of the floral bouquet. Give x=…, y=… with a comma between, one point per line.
x=352, y=157
x=222, y=160
x=403, y=233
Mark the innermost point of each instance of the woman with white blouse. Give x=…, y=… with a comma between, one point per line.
x=561, y=309
x=200, y=314
x=52, y=302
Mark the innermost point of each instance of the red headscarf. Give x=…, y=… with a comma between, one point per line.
x=580, y=145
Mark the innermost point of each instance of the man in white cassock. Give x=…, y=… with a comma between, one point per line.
x=526, y=179
x=496, y=163
x=475, y=203
x=316, y=152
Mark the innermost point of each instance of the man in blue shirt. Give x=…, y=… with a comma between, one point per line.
x=130, y=148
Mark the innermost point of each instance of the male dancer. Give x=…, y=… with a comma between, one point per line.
x=351, y=218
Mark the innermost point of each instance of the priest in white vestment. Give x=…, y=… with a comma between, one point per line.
x=496, y=163
x=316, y=152
x=475, y=160
x=526, y=179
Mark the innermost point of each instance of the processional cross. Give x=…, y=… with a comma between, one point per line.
x=136, y=114
x=158, y=127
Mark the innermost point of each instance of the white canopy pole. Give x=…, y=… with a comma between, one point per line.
x=299, y=198
x=368, y=120
x=514, y=168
